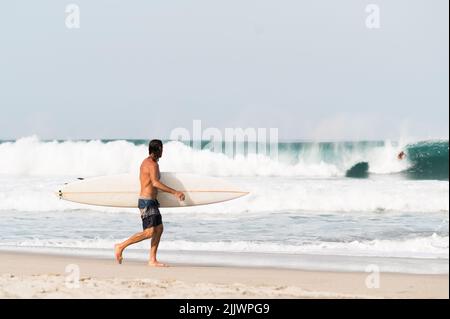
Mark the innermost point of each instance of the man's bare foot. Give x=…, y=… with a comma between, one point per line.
x=157, y=264
x=118, y=253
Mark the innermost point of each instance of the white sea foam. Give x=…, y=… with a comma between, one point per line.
x=434, y=246
x=30, y=157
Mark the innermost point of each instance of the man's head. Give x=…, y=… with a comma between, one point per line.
x=155, y=149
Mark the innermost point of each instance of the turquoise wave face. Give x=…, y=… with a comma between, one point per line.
x=429, y=160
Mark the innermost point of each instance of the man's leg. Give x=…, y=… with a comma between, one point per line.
x=119, y=248
x=154, y=247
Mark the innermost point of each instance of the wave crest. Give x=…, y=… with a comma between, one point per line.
x=32, y=157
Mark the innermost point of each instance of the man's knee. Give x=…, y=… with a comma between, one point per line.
x=158, y=230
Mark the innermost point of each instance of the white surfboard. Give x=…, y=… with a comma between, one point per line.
x=123, y=190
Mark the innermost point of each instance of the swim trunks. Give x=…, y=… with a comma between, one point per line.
x=150, y=214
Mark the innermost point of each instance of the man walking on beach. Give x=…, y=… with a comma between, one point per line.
x=149, y=205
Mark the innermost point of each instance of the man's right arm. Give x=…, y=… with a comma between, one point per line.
x=161, y=186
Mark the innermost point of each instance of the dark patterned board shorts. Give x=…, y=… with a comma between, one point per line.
x=150, y=214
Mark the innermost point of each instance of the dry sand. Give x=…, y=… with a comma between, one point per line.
x=26, y=275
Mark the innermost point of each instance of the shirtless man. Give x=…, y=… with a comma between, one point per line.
x=149, y=205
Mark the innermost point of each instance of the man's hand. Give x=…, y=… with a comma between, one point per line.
x=179, y=195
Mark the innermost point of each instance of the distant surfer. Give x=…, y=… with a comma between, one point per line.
x=401, y=155
x=149, y=205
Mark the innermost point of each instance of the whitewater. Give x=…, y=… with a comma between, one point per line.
x=302, y=206
x=93, y=158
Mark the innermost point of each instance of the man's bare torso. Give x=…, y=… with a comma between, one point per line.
x=148, y=169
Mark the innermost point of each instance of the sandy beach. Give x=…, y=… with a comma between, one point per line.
x=26, y=275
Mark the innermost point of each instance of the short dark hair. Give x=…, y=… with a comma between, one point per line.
x=155, y=147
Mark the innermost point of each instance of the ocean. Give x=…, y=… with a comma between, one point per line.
x=340, y=206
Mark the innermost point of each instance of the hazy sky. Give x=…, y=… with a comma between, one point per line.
x=138, y=69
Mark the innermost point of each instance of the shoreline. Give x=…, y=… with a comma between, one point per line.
x=34, y=275
x=307, y=262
